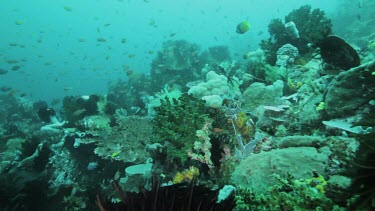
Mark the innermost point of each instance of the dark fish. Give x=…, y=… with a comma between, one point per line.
x=101, y=39
x=68, y=8
x=68, y=88
x=3, y=72
x=337, y=52
x=129, y=72
x=12, y=92
x=5, y=88
x=55, y=101
x=12, y=61
x=16, y=67
x=19, y=22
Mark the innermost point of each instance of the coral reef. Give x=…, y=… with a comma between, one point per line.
x=313, y=26
x=287, y=194
x=133, y=90
x=177, y=63
x=294, y=136
x=176, y=123
x=76, y=108
x=127, y=141
x=212, y=90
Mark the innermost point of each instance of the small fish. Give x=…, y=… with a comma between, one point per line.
x=12, y=61
x=16, y=67
x=55, y=101
x=3, y=72
x=131, y=56
x=101, y=39
x=371, y=44
x=68, y=8
x=12, y=92
x=68, y=88
x=125, y=67
x=117, y=176
x=172, y=34
x=115, y=154
x=152, y=22
x=92, y=166
x=150, y=52
x=5, y=88
x=19, y=22
x=217, y=130
x=129, y=72
x=123, y=40
x=243, y=27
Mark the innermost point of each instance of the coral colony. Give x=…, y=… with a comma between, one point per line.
x=289, y=126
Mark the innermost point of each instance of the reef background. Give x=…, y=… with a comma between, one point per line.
x=100, y=101
x=58, y=47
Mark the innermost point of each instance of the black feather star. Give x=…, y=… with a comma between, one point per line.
x=179, y=197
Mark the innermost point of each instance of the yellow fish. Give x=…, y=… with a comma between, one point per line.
x=115, y=154
x=243, y=27
x=19, y=22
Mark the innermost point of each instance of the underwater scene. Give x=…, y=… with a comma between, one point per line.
x=241, y=105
